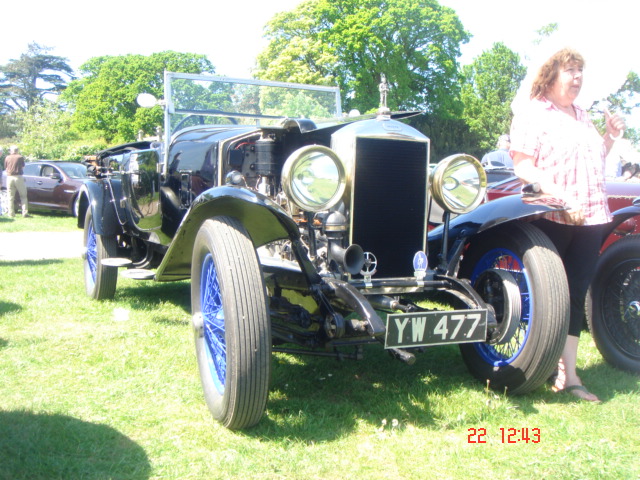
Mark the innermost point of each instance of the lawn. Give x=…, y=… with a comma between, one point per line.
x=110, y=390
x=38, y=222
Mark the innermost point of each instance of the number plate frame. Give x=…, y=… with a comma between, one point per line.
x=421, y=329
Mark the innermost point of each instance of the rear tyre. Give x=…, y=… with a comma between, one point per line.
x=524, y=358
x=231, y=323
x=613, y=306
x=99, y=280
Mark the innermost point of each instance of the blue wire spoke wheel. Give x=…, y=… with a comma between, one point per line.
x=506, y=260
x=231, y=323
x=100, y=280
x=529, y=352
x=213, y=318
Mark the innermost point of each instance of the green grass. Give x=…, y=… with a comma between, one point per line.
x=38, y=222
x=110, y=390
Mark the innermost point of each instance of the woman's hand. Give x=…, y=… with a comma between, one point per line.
x=615, y=124
x=574, y=216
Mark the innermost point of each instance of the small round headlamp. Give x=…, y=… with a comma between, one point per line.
x=313, y=177
x=458, y=183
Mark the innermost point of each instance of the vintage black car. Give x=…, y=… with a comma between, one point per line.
x=304, y=230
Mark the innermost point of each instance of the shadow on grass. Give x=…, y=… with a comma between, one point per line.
x=42, y=446
x=144, y=293
x=605, y=381
x=321, y=399
x=29, y=263
x=9, y=307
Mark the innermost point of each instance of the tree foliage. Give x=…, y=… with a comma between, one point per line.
x=415, y=43
x=26, y=81
x=45, y=132
x=625, y=101
x=490, y=83
x=44, y=129
x=103, y=100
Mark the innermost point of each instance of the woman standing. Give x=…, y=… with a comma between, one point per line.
x=554, y=144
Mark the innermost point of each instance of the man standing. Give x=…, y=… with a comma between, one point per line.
x=499, y=158
x=14, y=167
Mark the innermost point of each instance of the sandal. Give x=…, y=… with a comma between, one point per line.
x=579, y=391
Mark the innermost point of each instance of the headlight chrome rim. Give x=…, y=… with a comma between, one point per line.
x=299, y=191
x=444, y=181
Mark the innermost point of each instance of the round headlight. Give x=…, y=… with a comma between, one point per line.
x=458, y=183
x=313, y=177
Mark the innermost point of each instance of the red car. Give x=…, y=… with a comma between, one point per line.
x=52, y=186
x=613, y=305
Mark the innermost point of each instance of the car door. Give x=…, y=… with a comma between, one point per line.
x=32, y=180
x=48, y=184
x=140, y=181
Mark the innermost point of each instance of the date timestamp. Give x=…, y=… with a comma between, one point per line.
x=507, y=435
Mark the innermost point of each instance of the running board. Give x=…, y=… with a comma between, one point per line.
x=116, y=262
x=138, y=274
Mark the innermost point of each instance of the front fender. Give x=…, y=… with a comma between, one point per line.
x=624, y=223
x=97, y=197
x=264, y=220
x=486, y=216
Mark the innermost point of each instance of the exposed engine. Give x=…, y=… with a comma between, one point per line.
x=257, y=163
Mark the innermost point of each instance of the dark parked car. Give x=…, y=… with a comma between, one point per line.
x=52, y=186
x=613, y=304
x=305, y=231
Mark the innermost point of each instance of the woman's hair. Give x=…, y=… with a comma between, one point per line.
x=548, y=73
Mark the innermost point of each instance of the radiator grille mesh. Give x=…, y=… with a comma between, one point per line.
x=389, y=202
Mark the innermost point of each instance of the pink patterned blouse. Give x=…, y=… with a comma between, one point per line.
x=570, y=150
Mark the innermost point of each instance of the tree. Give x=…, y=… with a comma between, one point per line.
x=490, y=84
x=36, y=74
x=625, y=101
x=104, y=99
x=44, y=130
x=351, y=43
x=8, y=126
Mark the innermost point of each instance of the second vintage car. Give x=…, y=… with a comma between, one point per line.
x=306, y=231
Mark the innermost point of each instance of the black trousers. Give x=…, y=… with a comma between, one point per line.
x=578, y=247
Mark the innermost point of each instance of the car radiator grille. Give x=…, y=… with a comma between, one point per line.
x=389, y=202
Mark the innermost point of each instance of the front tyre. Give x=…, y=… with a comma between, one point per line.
x=231, y=323
x=523, y=360
x=99, y=280
x=613, y=306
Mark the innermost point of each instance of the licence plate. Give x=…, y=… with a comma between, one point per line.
x=435, y=328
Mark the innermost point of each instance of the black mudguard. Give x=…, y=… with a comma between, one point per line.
x=98, y=197
x=264, y=220
x=488, y=215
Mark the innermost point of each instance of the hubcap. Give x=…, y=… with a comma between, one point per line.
x=632, y=312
